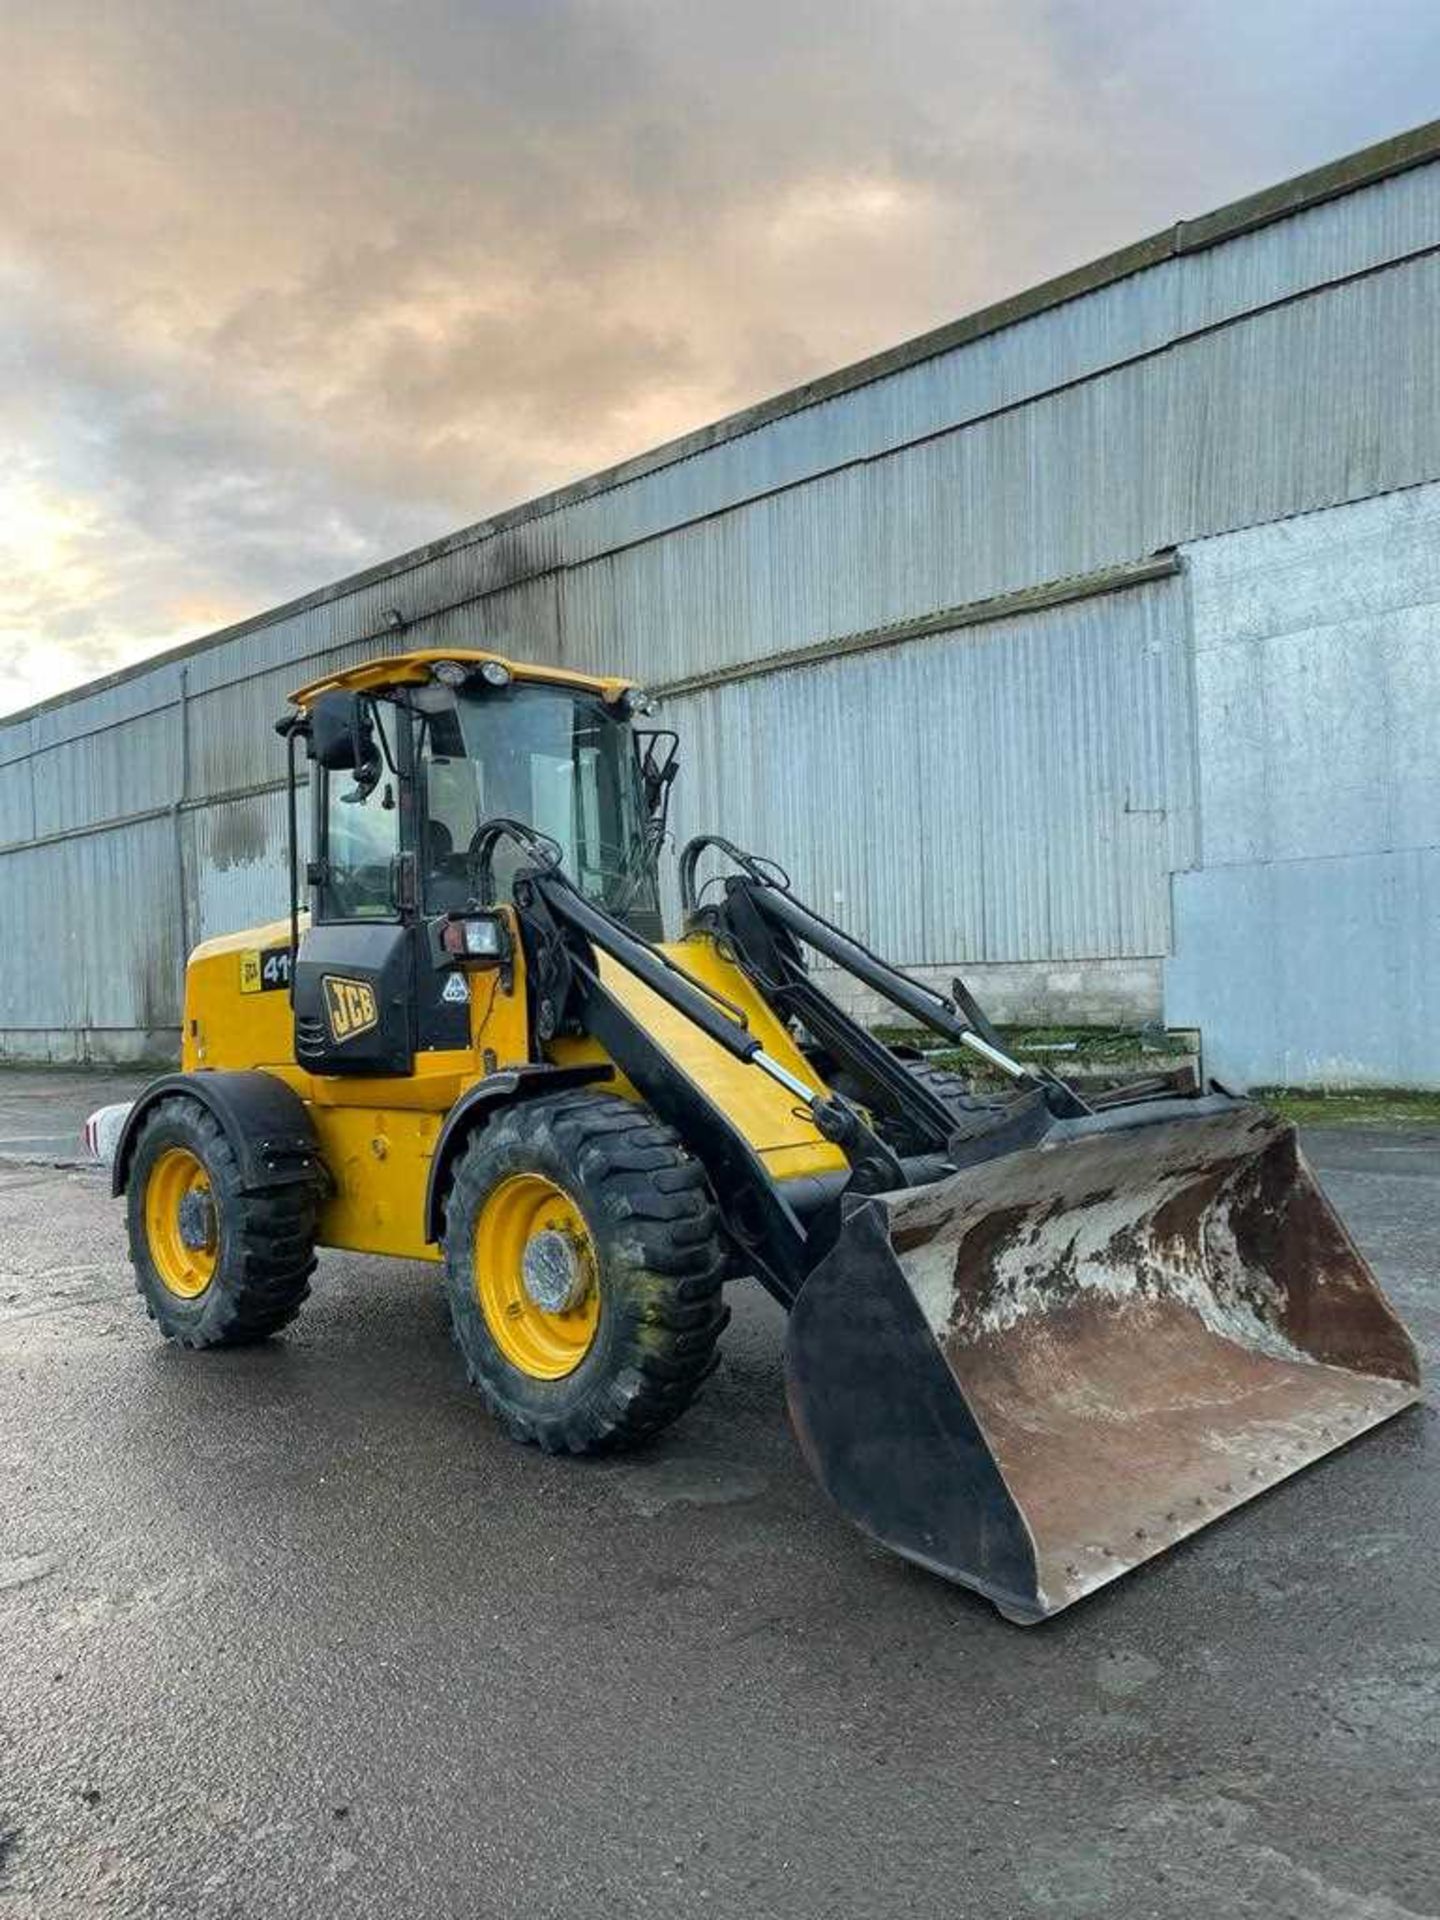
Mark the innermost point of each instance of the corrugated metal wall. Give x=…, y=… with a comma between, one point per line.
x=1016, y=791
x=1227, y=377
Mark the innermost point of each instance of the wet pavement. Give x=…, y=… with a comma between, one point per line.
x=295, y=1632
x=43, y=1113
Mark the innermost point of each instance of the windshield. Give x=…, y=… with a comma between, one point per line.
x=558, y=760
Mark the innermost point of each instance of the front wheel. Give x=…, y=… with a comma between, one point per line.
x=583, y=1268
x=215, y=1265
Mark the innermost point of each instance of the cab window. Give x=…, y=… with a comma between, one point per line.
x=362, y=838
x=452, y=812
x=553, y=758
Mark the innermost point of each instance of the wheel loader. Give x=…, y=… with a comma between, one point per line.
x=1035, y=1336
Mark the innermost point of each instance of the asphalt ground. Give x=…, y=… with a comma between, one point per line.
x=295, y=1631
x=43, y=1113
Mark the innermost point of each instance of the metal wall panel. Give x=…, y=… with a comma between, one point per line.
x=92, y=710
x=93, y=928
x=1309, y=947
x=1017, y=791
x=17, y=802
x=1317, y=658
x=1312, y=972
x=16, y=742
x=1346, y=236
x=130, y=768
x=235, y=854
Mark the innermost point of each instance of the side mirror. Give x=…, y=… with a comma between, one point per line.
x=659, y=751
x=342, y=739
x=339, y=731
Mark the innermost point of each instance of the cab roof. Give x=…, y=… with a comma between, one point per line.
x=405, y=669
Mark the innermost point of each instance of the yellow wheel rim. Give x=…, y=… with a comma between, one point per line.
x=536, y=1276
x=180, y=1223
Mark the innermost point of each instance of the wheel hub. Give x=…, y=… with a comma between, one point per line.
x=196, y=1220
x=553, y=1271
x=537, y=1275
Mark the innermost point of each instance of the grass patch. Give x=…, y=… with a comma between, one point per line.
x=1139, y=1050
x=1056, y=1045
x=1072, y=1052
x=1366, y=1107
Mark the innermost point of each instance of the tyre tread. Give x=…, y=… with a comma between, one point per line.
x=663, y=1251
x=268, y=1245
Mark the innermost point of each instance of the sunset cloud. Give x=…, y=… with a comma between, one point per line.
x=284, y=290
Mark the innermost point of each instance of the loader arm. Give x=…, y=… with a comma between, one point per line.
x=764, y=924
x=562, y=930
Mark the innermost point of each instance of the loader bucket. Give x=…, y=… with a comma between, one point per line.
x=1055, y=1363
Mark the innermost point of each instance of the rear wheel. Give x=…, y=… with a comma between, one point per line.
x=584, y=1271
x=216, y=1266
x=957, y=1090
x=952, y=1088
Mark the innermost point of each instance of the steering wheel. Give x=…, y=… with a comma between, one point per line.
x=356, y=890
x=479, y=855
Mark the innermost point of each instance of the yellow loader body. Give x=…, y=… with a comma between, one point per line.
x=378, y=1135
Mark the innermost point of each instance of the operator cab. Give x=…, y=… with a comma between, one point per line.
x=409, y=759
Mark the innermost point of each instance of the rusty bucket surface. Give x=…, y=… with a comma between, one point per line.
x=1052, y=1365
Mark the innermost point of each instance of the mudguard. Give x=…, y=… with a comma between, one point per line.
x=486, y=1097
x=265, y=1121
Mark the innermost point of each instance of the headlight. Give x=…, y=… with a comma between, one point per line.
x=479, y=936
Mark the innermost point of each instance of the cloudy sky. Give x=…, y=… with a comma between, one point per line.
x=285, y=288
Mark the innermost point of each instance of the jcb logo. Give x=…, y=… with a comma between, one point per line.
x=350, y=1007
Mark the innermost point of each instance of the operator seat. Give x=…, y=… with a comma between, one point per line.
x=447, y=882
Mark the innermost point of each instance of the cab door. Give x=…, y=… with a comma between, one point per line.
x=355, y=969
x=369, y=991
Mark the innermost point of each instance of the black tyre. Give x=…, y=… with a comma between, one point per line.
x=216, y=1266
x=583, y=1266
x=953, y=1088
